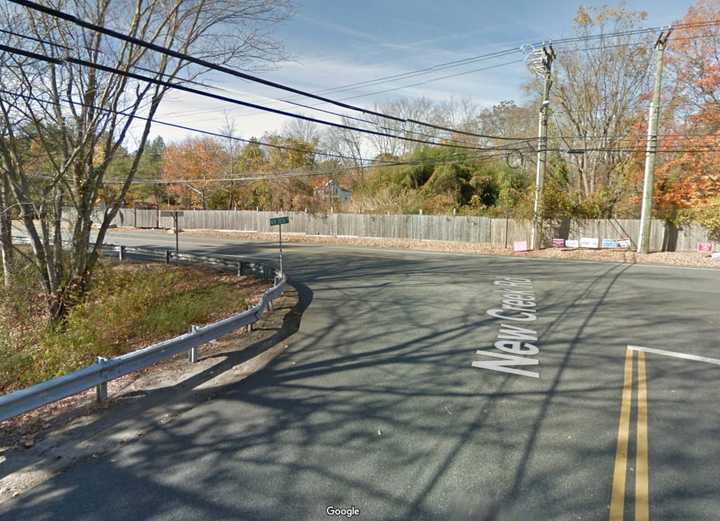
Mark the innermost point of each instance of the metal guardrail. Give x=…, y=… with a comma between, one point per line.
x=105, y=370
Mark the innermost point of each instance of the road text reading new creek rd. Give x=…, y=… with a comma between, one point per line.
x=516, y=343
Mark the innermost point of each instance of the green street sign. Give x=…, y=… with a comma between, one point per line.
x=279, y=220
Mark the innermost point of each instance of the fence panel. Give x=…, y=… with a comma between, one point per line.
x=146, y=218
x=499, y=232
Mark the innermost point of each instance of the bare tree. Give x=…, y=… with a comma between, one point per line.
x=418, y=109
x=61, y=124
x=302, y=130
x=232, y=149
x=508, y=119
x=344, y=143
x=599, y=88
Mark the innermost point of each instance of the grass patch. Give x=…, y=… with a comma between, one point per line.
x=129, y=306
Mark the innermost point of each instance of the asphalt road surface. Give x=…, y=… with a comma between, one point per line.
x=377, y=409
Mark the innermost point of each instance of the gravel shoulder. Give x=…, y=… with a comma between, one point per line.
x=689, y=259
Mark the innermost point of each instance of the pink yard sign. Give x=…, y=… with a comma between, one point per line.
x=704, y=247
x=558, y=243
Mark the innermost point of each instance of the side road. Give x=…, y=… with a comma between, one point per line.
x=672, y=258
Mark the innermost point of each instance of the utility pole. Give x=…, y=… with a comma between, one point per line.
x=541, y=64
x=643, y=245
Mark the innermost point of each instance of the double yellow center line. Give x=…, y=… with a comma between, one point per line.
x=617, y=501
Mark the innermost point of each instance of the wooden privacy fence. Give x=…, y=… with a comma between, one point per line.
x=483, y=230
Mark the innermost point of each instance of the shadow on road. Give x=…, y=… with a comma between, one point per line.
x=375, y=404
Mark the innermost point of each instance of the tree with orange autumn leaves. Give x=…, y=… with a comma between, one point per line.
x=689, y=181
x=196, y=162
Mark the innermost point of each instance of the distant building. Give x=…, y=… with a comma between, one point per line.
x=332, y=191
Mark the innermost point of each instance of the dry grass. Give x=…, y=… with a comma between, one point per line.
x=129, y=306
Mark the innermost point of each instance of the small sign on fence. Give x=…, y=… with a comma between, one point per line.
x=589, y=242
x=704, y=247
x=610, y=243
x=572, y=243
x=624, y=243
x=274, y=221
x=520, y=246
x=558, y=243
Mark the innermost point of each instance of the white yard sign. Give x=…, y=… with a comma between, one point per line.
x=589, y=242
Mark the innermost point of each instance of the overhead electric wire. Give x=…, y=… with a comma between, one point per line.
x=292, y=174
x=430, y=80
x=187, y=128
x=302, y=105
x=204, y=63
x=198, y=61
x=372, y=162
x=182, y=56
x=424, y=70
x=483, y=57
x=580, y=150
x=114, y=70
x=472, y=59
x=629, y=32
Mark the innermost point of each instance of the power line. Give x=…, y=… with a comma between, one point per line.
x=333, y=155
x=198, y=61
x=430, y=80
x=181, y=56
x=518, y=140
x=635, y=149
x=66, y=48
x=185, y=127
x=421, y=72
x=292, y=174
x=465, y=61
x=176, y=86
x=302, y=105
x=248, y=77
x=482, y=57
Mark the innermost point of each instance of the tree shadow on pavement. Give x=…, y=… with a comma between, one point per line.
x=375, y=404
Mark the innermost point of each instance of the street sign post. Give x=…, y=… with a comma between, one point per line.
x=279, y=221
x=174, y=214
x=276, y=221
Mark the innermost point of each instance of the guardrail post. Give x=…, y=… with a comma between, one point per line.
x=101, y=392
x=249, y=326
x=167, y=256
x=193, y=353
x=121, y=253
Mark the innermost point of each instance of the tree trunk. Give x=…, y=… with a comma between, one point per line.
x=6, y=251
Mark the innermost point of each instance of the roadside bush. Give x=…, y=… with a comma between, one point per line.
x=709, y=217
x=129, y=306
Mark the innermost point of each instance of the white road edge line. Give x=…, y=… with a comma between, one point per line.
x=675, y=354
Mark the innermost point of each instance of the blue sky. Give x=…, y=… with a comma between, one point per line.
x=331, y=43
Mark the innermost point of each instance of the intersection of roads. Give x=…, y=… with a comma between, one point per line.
x=426, y=386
